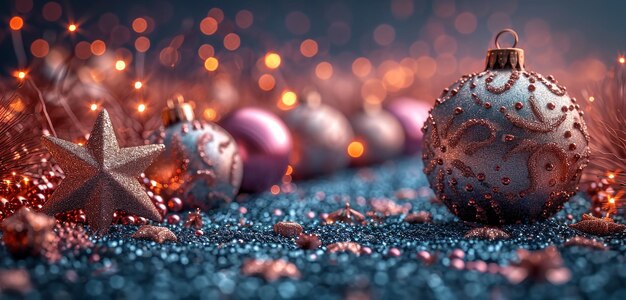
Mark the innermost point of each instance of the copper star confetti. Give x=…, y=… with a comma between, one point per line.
x=155, y=233
x=308, y=241
x=194, y=219
x=388, y=207
x=598, y=226
x=28, y=233
x=418, y=217
x=101, y=177
x=288, y=229
x=353, y=247
x=541, y=265
x=270, y=270
x=487, y=233
x=579, y=241
x=345, y=215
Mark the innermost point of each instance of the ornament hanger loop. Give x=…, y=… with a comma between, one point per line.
x=512, y=32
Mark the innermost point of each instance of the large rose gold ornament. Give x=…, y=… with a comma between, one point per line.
x=505, y=145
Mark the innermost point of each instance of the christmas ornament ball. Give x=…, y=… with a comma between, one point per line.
x=411, y=114
x=320, y=136
x=201, y=163
x=380, y=133
x=264, y=144
x=505, y=145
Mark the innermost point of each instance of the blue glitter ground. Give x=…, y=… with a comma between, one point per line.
x=209, y=266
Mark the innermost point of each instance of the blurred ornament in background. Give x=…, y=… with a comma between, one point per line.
x=411, y=114
x=201, y=163
x=264, y=144
x=321, y=135
x=27, y=233
x=505, y=145
x=379, y=132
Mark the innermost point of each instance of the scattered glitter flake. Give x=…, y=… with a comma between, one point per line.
x=16, y=281
x=27, y=233
x=388, y=207
x=345, y=215
x=353, y=247
x=116, y=183
x=418, y=217
x=288, y=229
x=394, y=252
x=72, y=237
x=487, y=233
x=542, y=265
x=598, y=226
x=270, y=270
x=426, y=257
x=155, y=233
x=194, y=219
x=579, y=241
x=406, y=194
x=308, y=241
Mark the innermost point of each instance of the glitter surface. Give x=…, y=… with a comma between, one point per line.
x=210, y=266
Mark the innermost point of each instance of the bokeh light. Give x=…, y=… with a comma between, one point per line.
x=120, y=65
x=288, y=100
x=356, y=149
x=272, y=60
x=140, y=25
x=308, y=48
x=211, y=64
x=208, y=26
x=16, y=23
x=324, y=70
x=232, y=41
x=39, y=48
x=267, y=82
x=98, y=47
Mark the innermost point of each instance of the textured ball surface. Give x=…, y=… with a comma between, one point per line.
x=411, y=114
x=381, y=134
x=200, y=164
x=320, y=135
x=264, y=145
x=505, y=146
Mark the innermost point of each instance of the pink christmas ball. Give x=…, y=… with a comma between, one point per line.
x=411, y=114
x=264, y=145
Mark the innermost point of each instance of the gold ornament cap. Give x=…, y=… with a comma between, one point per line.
x=177, y=110
x=505, y=58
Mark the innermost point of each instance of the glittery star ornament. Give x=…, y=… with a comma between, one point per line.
x=101, y=177
x=155, y=233
x=505, y=145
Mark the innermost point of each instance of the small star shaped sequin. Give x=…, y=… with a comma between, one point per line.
x=101, y=177
x=598, y=226
x=345, y=215
x=487, y=233
x=155, y=233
